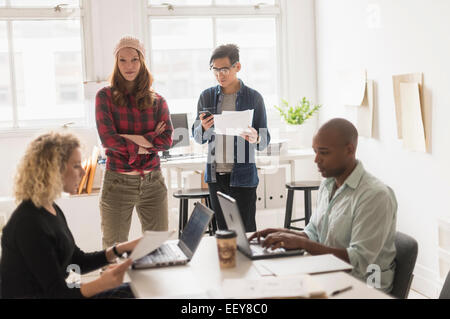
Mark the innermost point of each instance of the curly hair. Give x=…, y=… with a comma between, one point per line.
x=39, y=173
x=145, y=96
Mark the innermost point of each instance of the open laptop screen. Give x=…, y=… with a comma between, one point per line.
x=233, y=219
x=196, y=226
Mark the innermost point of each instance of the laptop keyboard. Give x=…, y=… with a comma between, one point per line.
x=166, y=253
x=259, y=250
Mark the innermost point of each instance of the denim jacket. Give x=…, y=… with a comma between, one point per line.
x=244, y=173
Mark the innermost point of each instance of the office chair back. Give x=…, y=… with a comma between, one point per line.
x=445, y=292
x=407, y=248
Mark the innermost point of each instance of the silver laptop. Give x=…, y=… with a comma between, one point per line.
x=179, y=252
x=253, y=249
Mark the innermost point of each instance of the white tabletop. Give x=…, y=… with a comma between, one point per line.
x=261, y=160
x=202, y=277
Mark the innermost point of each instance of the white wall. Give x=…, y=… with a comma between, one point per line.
x=406, y=36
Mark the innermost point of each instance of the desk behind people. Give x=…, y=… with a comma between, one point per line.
x=198, y=161
x=202, y=278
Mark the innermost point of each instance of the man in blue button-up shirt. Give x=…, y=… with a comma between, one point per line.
x=355, y=218
x=231, y=165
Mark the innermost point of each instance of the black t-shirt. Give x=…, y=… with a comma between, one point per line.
x=37, y=248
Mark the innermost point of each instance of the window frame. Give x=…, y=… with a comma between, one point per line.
x=215, y=12
x=10, y=14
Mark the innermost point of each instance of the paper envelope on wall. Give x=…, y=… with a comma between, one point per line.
x=364, y=113
x=352, y=86
x=403, y=78
x=413, y=131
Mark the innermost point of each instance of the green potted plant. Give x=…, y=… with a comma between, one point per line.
x=299, y=113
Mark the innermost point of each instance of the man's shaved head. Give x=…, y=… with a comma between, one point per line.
x=344, y=131
x=335, y=147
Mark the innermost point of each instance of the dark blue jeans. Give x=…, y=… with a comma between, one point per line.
x=244, y=196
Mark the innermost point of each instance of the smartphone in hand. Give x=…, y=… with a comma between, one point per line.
x=206, y=114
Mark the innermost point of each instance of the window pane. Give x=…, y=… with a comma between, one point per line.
x=43, y=3
x=5, y=84
x=244, y=2
x=48, y=71
x=256, y=39
x=180, y=56
x=181, y=2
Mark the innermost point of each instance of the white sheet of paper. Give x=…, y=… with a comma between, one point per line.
x=352, y=86
x=365, y=112
x=233, y=123
x=397, y=79
x=412, y=123
x=302, y=286
x=305, y=265
x=149, y=242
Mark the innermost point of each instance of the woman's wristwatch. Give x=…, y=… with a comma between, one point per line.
x=114, y=248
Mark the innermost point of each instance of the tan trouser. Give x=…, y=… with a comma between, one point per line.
x=121, y=193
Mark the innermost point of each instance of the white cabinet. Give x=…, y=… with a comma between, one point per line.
x=83, y=217
x=260, y=191
x=273, y=181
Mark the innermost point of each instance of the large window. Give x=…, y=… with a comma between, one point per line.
x=41, y=65
x=183, y=34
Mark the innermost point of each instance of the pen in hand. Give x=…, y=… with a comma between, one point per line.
x=337, y=292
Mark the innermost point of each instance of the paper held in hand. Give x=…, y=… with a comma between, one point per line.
x=233, y=123
x=149, y=242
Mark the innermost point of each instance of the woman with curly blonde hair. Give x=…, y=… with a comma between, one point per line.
x=37, y=245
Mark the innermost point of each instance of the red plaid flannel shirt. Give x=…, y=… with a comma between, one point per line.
x=112, y=120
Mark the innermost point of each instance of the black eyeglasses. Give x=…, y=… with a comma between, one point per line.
x=224, y=71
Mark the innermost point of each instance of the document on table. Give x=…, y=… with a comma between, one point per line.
x=233, y=123
x=299, y=286
x=304, y=265
x=149, y=242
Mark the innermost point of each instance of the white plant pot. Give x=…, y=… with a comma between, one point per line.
x=299, y=136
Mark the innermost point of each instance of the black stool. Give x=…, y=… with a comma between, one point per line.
x=306, y=187
x=185, y=195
